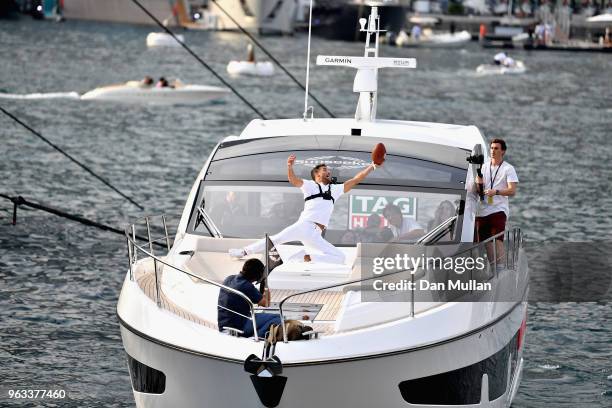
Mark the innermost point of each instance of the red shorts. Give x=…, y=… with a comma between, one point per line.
x=490, y=225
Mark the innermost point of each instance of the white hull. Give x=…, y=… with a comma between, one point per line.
x=442, y=40
x=134, y=93
x=257, y=16
x=163, y=40
x=489, y=69
x=192, y=378
x=250, y=68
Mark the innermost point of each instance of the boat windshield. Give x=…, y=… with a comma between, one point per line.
x=246, y=192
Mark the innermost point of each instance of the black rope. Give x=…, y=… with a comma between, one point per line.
x=44, y=139
x=252, y=38
x=20, y=201
x=200, y=60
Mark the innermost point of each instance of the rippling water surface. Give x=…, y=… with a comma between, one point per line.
x=60, y=280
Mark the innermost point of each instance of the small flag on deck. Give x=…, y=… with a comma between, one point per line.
x=274, y=258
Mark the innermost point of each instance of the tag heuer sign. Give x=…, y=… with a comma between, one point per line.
x=362, y=207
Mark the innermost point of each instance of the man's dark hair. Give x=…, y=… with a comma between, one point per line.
x=252, y=270
x=501, y=142
x=315, y=169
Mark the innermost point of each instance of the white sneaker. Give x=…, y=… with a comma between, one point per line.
x=237, y=253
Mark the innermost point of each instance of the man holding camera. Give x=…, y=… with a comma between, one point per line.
x=498, y=182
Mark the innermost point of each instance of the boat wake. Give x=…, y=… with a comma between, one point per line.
x=39, y=96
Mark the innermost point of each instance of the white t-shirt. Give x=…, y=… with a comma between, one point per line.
x=500, y=56
x=317, y=209
x=408, y=224
x=503, y=175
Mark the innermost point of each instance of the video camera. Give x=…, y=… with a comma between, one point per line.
x=475, y=159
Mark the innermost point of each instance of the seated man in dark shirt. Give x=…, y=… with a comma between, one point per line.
x=252, y=271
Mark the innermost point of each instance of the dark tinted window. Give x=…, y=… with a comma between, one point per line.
x=461, y=386
x=343, y=165
x=145, y=378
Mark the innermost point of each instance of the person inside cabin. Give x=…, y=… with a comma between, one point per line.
x=147, y=82
x=445, y=210
x=232, y=308
x=225, y=213
x=400, y=228
x=499, y=181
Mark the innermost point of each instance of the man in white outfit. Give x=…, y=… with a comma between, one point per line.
x=499, y=181
x=319, y=198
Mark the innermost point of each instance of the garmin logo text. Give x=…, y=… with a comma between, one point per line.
x=338, y=60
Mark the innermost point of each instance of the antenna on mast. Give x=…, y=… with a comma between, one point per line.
x=366, y=79
x=305, y=115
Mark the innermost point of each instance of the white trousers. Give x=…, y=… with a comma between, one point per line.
x=309, y=234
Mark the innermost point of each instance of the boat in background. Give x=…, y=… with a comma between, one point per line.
x=493, y=69
x=163, y=40
x=265, y=68
x=136, y=92
x=431, y=39
x=339, y=20
x=256, y=16
x=601, y=18
x=250, y=66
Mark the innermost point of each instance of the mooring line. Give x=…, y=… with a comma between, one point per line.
x=277, y=62
x=83, y=166
x=20, y=201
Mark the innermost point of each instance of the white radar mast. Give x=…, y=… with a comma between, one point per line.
x=366, y=79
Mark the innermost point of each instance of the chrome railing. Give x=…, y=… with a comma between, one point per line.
x=513, y=241
x=164, y=241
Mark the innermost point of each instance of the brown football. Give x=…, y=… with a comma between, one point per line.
x=378, y=154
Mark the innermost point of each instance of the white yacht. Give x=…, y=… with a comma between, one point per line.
x=416, y=348
x=258, y=16
x=136, y=92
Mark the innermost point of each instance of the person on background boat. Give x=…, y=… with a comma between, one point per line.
x=147, y=81
x=508, y=62
x=415, y=33
x=499, y=58
x=250, y=53
x=232, y=308
x=400, y=228
x=499, y=181
x=162, y=83
x=320, y=195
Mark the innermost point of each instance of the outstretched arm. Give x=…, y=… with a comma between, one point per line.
x=348, y=185
x=293, y=179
